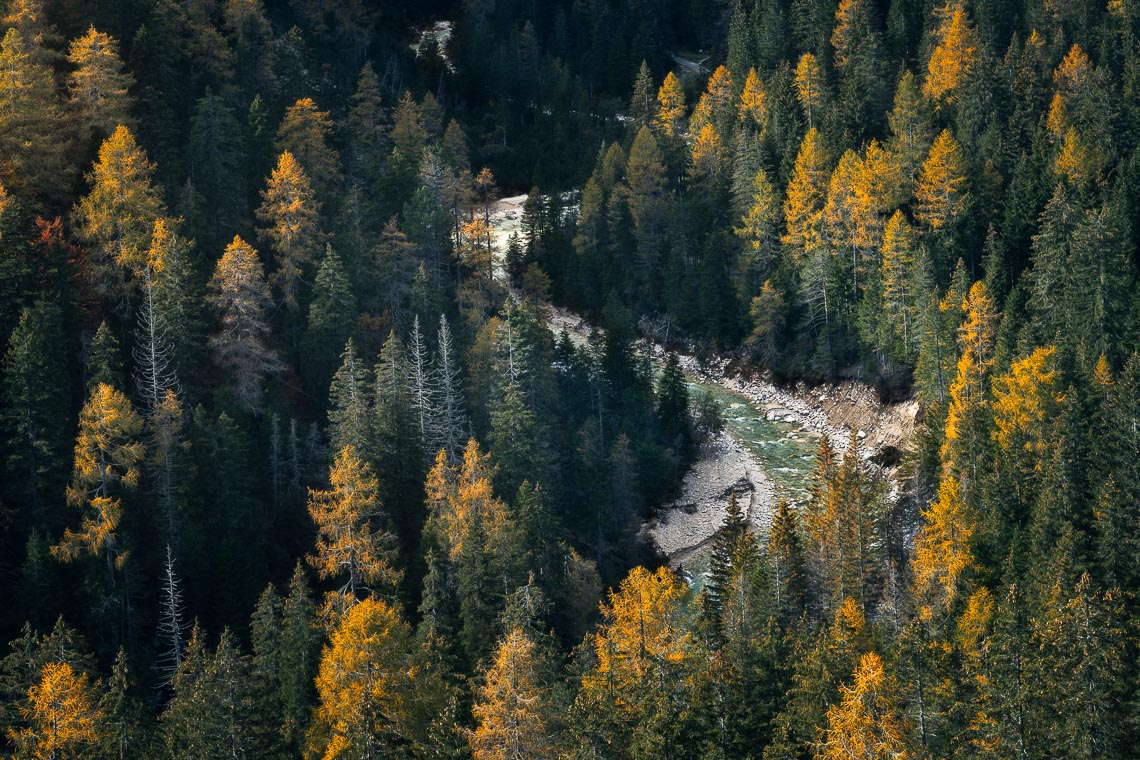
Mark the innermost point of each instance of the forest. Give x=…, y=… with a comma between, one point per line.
x=295, y=465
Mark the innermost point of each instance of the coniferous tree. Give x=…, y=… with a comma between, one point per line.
x=240, y=296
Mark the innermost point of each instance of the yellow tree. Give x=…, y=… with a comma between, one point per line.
x=512, y=704
x=942, y=554
x=108, y=454
x=291, y=217
x=458, y=497
x=116, y=218
x=804, y=219
x=707, y=160
x=63, y=714
x=715, y=104
x=348, y=546
x=956, y=53
x=759, y=231
x=910, y=137
x=305, y=131
x=98, y=85
x=1025, y=398
x=671, y=107
x=865, y=725
x=841, y=211
x=754, y=103
x=33, y=154
x=809, y=86
x=644, y=659
x=941, y=194
x=366, y=686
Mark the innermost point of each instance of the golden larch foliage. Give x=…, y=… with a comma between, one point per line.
x=865, y=725
x=458, y=496
x=754, y=102
x=955, y=54
x=1072, y=81
x=942, y=554
x=642, y=632
x=809, y=86
x=758, y=226
x=348, y=546
x=1024, y=399
x=510, y=706
x=63, y=715
x=364, y=683
x=1075, y=162
x=715, y=103
x=98, y=85
x=671, y=107
x=707, y=159
x=803, y=206
x=107, y=455
x=941, y=193
x=290, y=214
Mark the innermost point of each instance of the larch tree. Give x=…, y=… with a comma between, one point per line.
x=634, y=692
x=373, y=698
x=715, y=106
x=291, y=218
x=351, y=545
x=304, y=133
x=240, y=297
x=956, y=53
x=942, y=194
x=64, y=715
x=511, y=711
x=804, y=219
x=108, y=454
x=759, y=229
x=810, y=88
x=943, y=557
x=754, y=103
x=969, y=391
x=671, y=108
x=865, y=725
x=98, y=85
x=33, y=163
x=116, y=218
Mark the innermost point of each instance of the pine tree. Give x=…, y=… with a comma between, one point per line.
x=104, y=362
x=211, y=712
x=34, y=413
x=265, y=675
x=297, y=660
x=219, y=154
x=116, y=218
x=98, y=85
x=177, y=294
x=810, y=88
x=240, y=296
x=124, y=733
x=290, y=213
x=910, y=132
x=449, y=424
x=898, y=307
x=787, y=564
x=643, y=104
x=723, y=561
x=350, y=413
x=332, y=318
